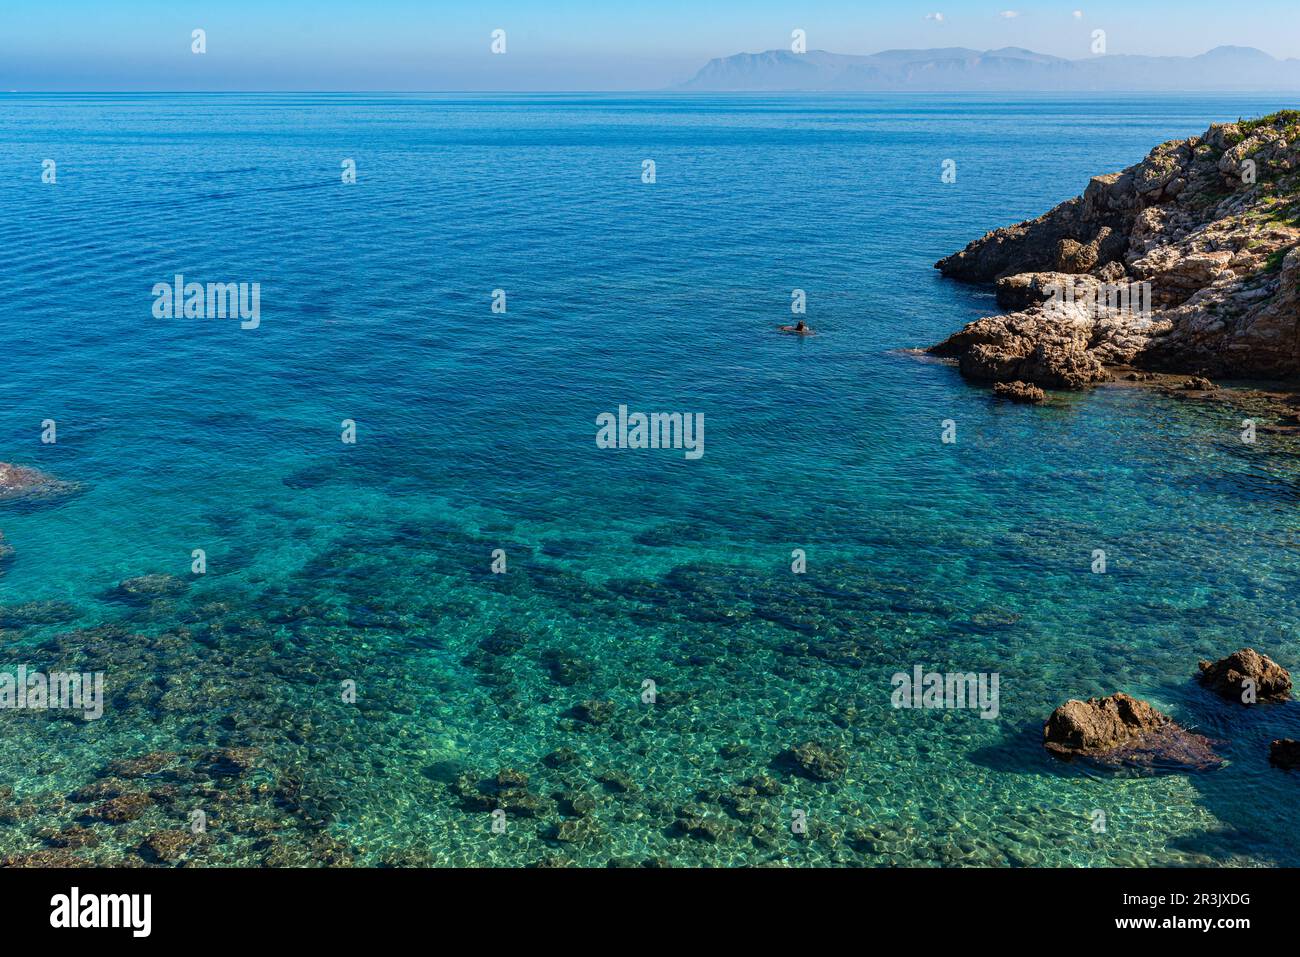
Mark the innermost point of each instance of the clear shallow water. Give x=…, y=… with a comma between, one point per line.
x=476, y=431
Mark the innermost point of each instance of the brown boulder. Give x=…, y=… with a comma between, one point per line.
x=1019, y=392
x=1024, y=290
x=1228, y=677
x=1052, y=349
x=1120, y=729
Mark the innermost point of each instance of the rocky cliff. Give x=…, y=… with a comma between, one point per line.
x=1186, y=262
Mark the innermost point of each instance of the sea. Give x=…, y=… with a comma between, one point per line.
x=365, y=588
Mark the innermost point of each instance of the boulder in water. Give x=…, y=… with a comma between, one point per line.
x=1120, y=729
x=1231, y=676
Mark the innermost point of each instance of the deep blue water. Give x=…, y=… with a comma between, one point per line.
x=475, y=431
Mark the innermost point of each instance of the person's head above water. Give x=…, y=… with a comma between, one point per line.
x=799, y=325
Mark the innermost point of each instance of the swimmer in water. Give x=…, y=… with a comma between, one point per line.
x=800, y=328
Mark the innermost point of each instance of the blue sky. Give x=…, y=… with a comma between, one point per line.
x=559, y=44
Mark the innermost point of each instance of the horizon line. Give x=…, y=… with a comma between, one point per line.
x=675, y=91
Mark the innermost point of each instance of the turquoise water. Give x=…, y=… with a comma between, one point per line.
x=370, y=562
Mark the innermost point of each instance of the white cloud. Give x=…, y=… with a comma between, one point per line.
x=1078, y=14
x=1009, y=14
x=934, y=16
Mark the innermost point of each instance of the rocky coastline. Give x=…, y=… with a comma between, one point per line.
x=1185, y=264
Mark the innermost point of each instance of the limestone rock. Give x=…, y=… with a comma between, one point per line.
x=1219, y=253
x=1228, y=676
x=1019, y=392
x=1120, y=729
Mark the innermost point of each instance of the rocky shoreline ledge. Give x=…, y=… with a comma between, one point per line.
x=1185, y=263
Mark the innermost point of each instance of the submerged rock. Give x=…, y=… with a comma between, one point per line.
x=121, y=809
x=502, y=791
x=510, y=778
x=147, y=588
x=1119, y=729
x=23, y=483
x=72, y=836
x=764, y=784
x=693, y=821
x=575, y=803
x=166, y=846
x=578, y=830
x=140, y=766
x=50, y=857
x=1228, y=677
x=36, y=613
x=593, y=711
x=566, y=668
x=560, y=758
x=614, y=780
x=228, y=762
x=815, y=761
x=100, y=790
x=1285, y=753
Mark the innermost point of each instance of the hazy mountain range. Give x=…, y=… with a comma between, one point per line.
x=1010, y=69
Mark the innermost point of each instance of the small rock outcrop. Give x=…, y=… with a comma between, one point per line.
x=1120, y=729
x=1229, y=677
x=1285, y=753
x=1186, y=262
x=1019, y=391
